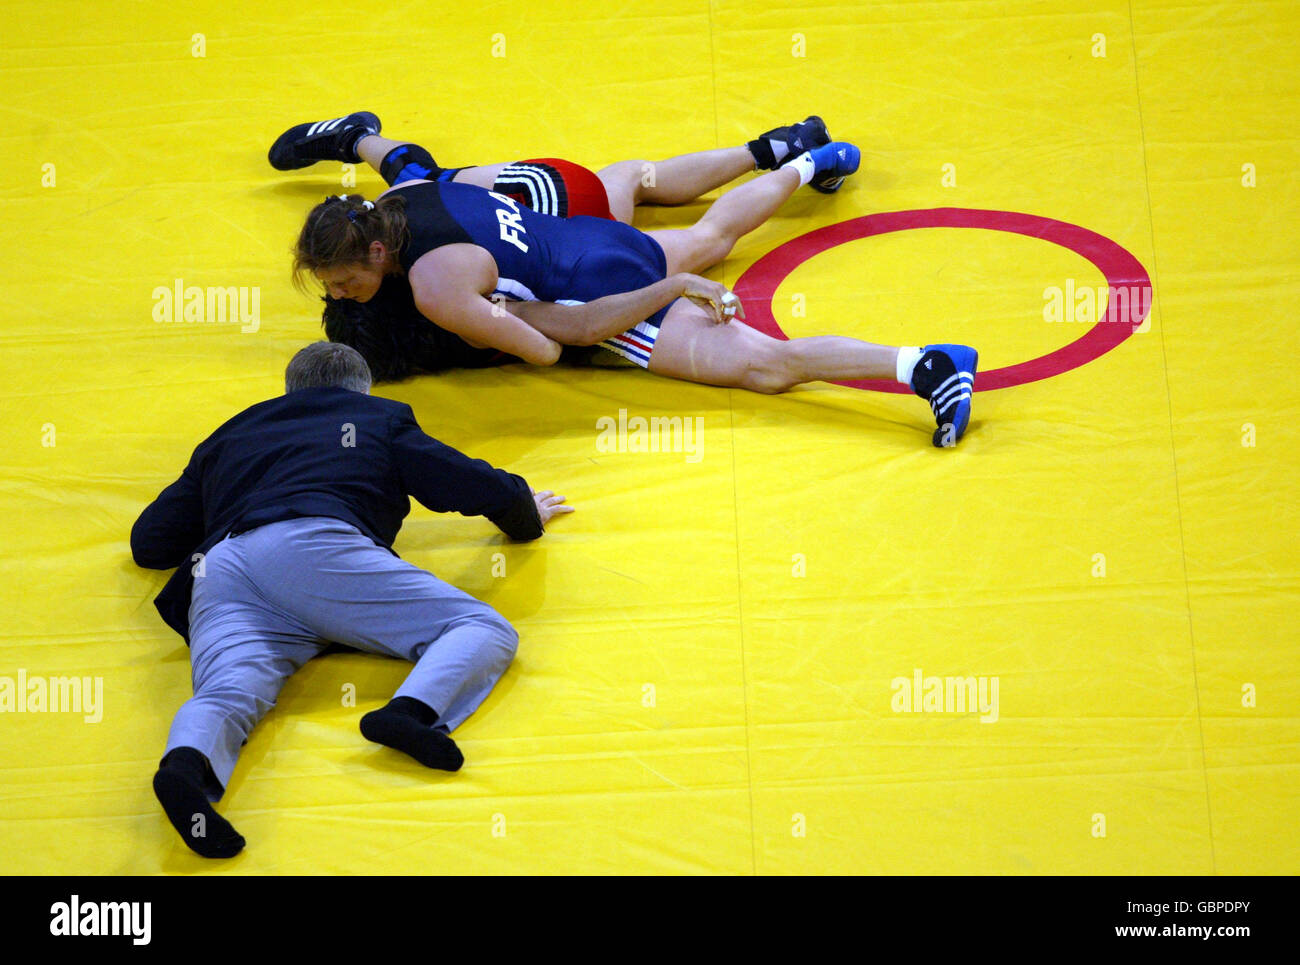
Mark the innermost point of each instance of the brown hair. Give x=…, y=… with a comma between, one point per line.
x=340, y=229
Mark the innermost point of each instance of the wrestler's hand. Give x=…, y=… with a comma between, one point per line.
x=721, y=300
x=549, y=505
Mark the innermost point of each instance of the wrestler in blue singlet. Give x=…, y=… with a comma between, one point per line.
x=538, y=257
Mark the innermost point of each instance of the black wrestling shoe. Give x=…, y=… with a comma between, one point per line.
x=794, y=139
x=334, y=140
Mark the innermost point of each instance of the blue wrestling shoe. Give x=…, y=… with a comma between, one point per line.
x=835, y=161
x=945, y=377
x=334, y=140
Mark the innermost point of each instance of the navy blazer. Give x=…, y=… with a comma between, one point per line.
x=316, y=452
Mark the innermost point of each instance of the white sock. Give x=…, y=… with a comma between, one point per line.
x=806, y=167
x=908, y=356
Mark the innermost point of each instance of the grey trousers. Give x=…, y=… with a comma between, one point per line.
x=272, y=598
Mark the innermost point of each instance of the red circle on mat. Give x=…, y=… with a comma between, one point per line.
x=757, y=286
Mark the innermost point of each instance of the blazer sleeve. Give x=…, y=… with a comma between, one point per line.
x=171, y=527
x=446, y=480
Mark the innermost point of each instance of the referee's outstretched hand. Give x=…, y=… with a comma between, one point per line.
x=549, y=505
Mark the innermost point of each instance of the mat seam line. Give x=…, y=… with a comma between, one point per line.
x=735, y=507
x=1173, y=443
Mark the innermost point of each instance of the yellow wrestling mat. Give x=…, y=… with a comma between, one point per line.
x=721, y=649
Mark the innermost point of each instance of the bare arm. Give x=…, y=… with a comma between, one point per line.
x=606, y=317
x=449, y=284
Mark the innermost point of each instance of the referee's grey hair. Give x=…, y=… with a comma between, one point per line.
x=327, y=365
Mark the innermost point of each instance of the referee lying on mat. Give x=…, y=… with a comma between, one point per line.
x=282, y=526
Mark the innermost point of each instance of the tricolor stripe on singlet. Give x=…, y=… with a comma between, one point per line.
x=635, y=344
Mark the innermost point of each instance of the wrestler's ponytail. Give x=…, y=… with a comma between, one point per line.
x=340, y=229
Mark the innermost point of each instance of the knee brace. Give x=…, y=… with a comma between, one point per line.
x=409, y=162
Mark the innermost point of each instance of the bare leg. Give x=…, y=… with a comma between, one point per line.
x=627, y=183
x=692, y=347
x=485, y=176
x=373, y=149
x=736, y=213
x=676, y=180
